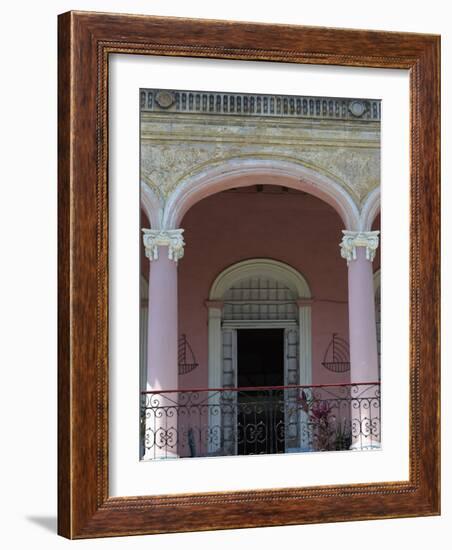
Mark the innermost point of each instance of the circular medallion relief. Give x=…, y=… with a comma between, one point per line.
x=164, y=99
x=357, y=108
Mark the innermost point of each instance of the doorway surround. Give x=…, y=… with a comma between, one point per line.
x=259, y=268
x=292, y=313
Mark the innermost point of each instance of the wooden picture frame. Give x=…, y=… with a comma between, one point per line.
x=86, y=40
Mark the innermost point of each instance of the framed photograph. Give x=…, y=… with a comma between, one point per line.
x=248, y=275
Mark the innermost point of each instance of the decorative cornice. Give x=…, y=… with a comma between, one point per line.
x=172, y=238
x=287, y=106
x=352, y=239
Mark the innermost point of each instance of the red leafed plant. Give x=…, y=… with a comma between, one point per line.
x=327, y=433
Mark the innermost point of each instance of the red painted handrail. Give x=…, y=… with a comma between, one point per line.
x=254, y=388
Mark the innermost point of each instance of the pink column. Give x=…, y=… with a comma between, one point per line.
x=164, y=249
x=362, y=327
x=358, y=248
x=162, y=326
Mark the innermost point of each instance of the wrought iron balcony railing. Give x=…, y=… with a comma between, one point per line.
x=260, y=420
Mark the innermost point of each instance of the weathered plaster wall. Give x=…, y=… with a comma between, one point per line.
x=177, y=146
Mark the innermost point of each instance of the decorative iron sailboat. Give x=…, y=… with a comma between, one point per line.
x=337, y=355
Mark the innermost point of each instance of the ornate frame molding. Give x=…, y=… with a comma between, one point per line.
x=85, y=508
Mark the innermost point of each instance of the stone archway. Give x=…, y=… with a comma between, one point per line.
x=280, y=298
x=242, y=172
x=369, y=210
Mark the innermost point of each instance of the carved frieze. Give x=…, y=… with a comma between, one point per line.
x=268, y=105
x=338, y=137
x=165, y=166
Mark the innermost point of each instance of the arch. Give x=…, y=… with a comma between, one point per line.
x=370, y=210
x=260, y=267
x=151, y=205
x=241, y=172
x=297, y=332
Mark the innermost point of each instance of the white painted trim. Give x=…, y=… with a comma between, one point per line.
x=305, y=345
x=370, y=209
x=236, y=324
x=260, y=267
x=235, y=371
x=215, y=347
x=234, y=357
x=233, y=334
x=151, y=205
x=215, y=369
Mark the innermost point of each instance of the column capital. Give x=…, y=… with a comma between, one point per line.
x=172, y=238
x=352, y=239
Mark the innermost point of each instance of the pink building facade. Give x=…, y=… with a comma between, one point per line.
x=251, y=272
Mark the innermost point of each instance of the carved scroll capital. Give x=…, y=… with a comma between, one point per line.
x=172, y=238
x=352, y=239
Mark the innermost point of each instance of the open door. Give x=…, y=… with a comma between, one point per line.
x=260, y=407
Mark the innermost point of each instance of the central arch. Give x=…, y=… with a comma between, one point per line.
x=242, y=172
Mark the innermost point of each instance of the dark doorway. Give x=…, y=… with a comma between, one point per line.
x=260, y=411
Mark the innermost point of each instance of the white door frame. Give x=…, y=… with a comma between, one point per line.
x=267, y=268
x=259, y=267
